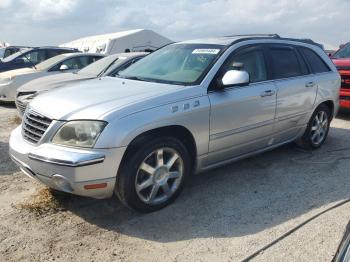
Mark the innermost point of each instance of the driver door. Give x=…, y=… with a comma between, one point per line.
x=242, y=117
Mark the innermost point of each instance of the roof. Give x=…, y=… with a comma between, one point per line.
x=131, y=54
x=54, y=47
x=109, y=36
x=80, y=54
x=229, y=40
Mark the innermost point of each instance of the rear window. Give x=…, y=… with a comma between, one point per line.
x=316, y=63
x=285, y=63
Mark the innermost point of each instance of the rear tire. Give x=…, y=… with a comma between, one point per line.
x=153, y=175
x=317, y=129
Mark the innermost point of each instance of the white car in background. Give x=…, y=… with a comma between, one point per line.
x=10, y=81
x=107, y=66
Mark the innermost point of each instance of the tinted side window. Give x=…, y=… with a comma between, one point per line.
x=34, y=57
x=52, y=53
x=93, y=59
x=316, y=63
x=73, y=63
x=285, y=63
x=253, y=62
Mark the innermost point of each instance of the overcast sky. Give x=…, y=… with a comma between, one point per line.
x=52, y=22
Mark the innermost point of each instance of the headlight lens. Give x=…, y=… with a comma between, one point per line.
x=79, y=133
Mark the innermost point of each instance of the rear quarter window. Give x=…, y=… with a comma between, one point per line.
x=316, y=63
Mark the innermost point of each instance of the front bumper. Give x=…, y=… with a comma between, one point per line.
x=84, y=172
x=344, y=100
x=7, y=92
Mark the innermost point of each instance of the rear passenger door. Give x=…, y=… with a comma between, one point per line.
x=296, y=90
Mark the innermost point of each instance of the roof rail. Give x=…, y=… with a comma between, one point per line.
x=276, y=36
x=255, y=35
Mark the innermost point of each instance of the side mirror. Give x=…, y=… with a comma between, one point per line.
x=235, y=77
x=63, y=68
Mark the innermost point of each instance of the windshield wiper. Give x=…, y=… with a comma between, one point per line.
x=133, y=78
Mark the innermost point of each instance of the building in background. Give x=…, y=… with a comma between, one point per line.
x=119, y=42
x=4, y=44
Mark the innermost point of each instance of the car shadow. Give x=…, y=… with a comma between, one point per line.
x=239, y=199
x=8, y=104
x=344, y=114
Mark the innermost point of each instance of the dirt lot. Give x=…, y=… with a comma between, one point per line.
x=223, y=215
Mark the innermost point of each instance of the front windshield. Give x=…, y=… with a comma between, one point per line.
x=99, y=66
x=2, y=52
x=343, y=53
x=47, y=64
x=182, y=64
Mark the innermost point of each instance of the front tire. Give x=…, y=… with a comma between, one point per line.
x=317, y=130
x=153, y=174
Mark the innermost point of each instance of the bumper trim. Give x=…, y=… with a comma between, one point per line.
x=93, y=160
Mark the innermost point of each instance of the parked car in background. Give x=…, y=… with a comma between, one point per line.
x=11, y=80
x=108, y=66
x=342, y=61
x=185, y=108
x=29, y=57
x=9, y=50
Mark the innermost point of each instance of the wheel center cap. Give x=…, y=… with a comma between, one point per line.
x=161, y=175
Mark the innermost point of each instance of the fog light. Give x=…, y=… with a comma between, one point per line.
x=62, y=183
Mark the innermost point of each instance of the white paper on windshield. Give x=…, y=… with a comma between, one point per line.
x=206, y=51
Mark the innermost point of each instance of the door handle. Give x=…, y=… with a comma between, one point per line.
x=310, y=84
x=268, y=93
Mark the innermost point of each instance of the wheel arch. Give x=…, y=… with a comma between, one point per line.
x=330, y=105
x=177, y=131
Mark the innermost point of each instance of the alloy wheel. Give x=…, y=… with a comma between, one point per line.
x=159, y=176
x=319, y=128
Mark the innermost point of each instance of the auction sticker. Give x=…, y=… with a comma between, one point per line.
x=206, y=51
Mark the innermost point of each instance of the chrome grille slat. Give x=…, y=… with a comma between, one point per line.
x=37, y=120
x=33, y=132
x=21, y=106
x=34, y=126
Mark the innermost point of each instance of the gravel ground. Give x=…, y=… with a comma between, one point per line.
x=223, y=215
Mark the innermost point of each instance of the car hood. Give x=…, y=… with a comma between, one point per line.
x=53, y=81
x=98, y=98
x=341, y=61
x=17, y=72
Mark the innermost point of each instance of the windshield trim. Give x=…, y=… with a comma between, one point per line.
x=200, y=79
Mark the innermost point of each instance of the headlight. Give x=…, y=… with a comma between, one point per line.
x=79, y=133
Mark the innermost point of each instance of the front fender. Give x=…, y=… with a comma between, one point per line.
x=193, y=114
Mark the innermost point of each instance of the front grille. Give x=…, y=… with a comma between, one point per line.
x=34, y=126
x=345, y=81
x=20, y=106
x=345, y=98
x=343, y=67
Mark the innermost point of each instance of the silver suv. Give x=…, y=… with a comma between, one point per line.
x=183, y=109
